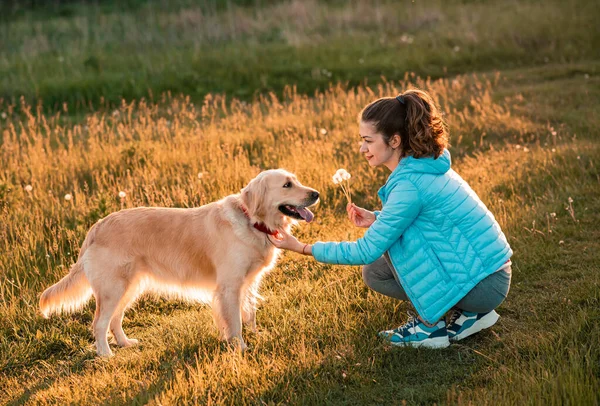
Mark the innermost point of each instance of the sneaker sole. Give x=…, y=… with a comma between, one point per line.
x=486, y=321
x=438, y=342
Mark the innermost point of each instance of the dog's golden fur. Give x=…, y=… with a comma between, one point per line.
x=211, y=252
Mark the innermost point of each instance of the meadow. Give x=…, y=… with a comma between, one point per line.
x=89, y=54
x=524, y=134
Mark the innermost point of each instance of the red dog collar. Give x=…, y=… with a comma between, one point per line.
x=261, y=226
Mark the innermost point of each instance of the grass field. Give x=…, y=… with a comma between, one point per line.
x=524, y=136
x=105, y=51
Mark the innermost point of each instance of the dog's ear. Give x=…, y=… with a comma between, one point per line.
x=254, y=196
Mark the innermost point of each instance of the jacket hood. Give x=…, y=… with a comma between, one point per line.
x=439, y=165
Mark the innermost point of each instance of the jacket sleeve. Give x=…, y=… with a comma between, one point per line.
x=402, y=207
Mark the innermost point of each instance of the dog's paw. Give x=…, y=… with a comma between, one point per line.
x=105, y=354
x=236, y=344
x=130, y=343
x=252, y=328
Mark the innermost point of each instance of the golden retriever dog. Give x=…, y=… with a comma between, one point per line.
x=219, y=251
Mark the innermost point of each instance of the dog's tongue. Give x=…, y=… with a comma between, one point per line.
x=306, y=214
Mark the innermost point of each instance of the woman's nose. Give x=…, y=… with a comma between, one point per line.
x=363, y=148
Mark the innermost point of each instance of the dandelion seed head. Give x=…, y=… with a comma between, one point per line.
x=570, y=200
x=122, y=195
x=3, y=115
x=525, y=149
x=553, y=149
x=407, y=39
x=200, y=175
x=323, y=131
x=342, y=174
x=28, y=188
x=68, y=197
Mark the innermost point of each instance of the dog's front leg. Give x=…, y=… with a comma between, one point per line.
x=249, y=313
x=226, y=309
x=250, y=303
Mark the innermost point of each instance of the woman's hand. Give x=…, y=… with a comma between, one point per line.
x=286, y=241
x=360, y=217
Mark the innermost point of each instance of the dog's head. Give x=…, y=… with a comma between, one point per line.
x=276, y=198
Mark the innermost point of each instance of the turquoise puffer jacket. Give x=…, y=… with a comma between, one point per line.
x=440, y=237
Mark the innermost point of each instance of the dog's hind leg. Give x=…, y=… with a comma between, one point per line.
x=116, y=323
x=108, y=299
x=105, y=306
x=226, y=310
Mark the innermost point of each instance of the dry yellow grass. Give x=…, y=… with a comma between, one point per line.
x=318, y=322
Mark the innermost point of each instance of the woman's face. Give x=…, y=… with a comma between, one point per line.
x=374, y=148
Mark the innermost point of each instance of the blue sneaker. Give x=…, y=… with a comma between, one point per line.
x=462, y=324
x=416, y=334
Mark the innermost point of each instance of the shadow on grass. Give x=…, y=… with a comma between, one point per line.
x=169, y=363
x=370, y=372
x=79, y=364
x=375, y=375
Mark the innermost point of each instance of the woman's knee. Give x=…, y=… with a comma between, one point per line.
x=367, y=275
x=487, y=295
x=479, y=307
x=376, y=271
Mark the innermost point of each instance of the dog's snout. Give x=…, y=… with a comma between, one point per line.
x=314, y=195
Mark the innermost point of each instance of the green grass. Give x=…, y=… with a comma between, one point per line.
x=317, y=326
x=525, y=138
x=96, y=56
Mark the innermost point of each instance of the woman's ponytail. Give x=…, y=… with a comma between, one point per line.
x=426, y=132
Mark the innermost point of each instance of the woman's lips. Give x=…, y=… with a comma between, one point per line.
x=369, y=157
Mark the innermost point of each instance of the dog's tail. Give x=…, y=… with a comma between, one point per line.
x=73, y=291
x=67, y=295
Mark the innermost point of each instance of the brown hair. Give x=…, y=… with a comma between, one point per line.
x=412, y=115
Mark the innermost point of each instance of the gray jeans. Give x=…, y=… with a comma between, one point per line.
x=483, y=298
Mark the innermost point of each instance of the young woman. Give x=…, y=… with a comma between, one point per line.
x=434, y=242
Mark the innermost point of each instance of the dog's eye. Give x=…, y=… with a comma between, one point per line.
x=288, y=184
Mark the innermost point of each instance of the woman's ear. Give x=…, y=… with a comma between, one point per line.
x=395, y=141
